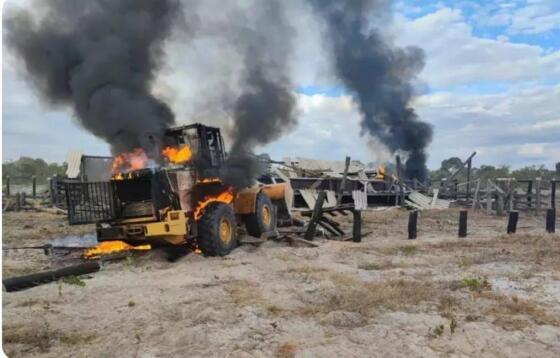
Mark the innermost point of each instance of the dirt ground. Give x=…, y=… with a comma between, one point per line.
x=488, y=295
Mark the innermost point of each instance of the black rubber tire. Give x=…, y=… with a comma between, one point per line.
x=254, y=222
x=209, y=230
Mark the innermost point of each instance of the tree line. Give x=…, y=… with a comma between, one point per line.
x=22, y=171
x=484, y=172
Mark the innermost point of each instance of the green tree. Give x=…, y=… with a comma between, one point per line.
x=23, y=169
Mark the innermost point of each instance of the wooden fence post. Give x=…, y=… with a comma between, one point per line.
x=34, y=186
x=488, y=197
x=553, y=194
x=475, y=198
x=18, y=202
x=529, y=193
x=357, y=226
x=538, y=194
x=512, y=222
x=499, y=203
x=412, y=225
x=401, y=188
x=8, y=186
x=463, y=223
x=551, y=221
x=315, y=216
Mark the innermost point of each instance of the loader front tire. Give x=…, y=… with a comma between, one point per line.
x=217, y=230
x=264, y=217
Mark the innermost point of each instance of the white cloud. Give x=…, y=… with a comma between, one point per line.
x=517, y=127
x=329, y=128
x=537, y=16
x=455, y=56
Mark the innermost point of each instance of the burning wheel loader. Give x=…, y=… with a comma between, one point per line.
x=179, y=201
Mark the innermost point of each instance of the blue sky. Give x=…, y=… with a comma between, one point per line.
x=491, y=84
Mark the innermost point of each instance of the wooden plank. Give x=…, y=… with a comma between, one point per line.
x=434, y=198
x=488, y=197
x=300, y=240
x=329, y=228
x=475, y=197
x=317, y=212
x=343, y=183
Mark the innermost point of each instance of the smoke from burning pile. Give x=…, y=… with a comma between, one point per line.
x=379, y=75
x=265, y=109
x=99, y=57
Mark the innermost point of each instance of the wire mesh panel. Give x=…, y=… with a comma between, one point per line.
x=90, y=202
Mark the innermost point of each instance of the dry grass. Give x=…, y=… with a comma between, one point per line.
x=21, y=227
x=352, y=294
x=286, y=350
x=40, y=336
x=513, y=313
x=244, y=293
x=374, y=266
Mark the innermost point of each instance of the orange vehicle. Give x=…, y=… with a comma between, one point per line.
x=183, y=201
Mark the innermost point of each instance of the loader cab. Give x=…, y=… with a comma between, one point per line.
x=205, y=142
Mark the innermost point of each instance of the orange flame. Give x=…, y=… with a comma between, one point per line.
x=109, y=247
x=380, y=172
x=133, y=160
x=177, y=156
x=224, y=197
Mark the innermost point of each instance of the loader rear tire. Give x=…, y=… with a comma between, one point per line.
x=217, y=230
x=264, y=217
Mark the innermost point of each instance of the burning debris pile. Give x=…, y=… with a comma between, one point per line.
x=379, y=75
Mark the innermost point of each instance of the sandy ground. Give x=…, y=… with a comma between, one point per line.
x=489, y=295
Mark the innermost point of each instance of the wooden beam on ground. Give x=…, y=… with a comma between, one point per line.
x=22, y=282
x=300, y=240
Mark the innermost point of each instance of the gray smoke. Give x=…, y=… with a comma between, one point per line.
x=265, y=109
x=379, y=75
x=99, y=57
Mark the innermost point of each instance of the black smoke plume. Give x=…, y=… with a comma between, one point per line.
x=99, y=57
x=265, y=110
x=379, y=75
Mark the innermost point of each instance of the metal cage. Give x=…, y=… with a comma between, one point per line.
x=91, y=202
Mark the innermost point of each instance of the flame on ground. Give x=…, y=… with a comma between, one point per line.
x=225, y=197
x=109, y=247
x=177, y=155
